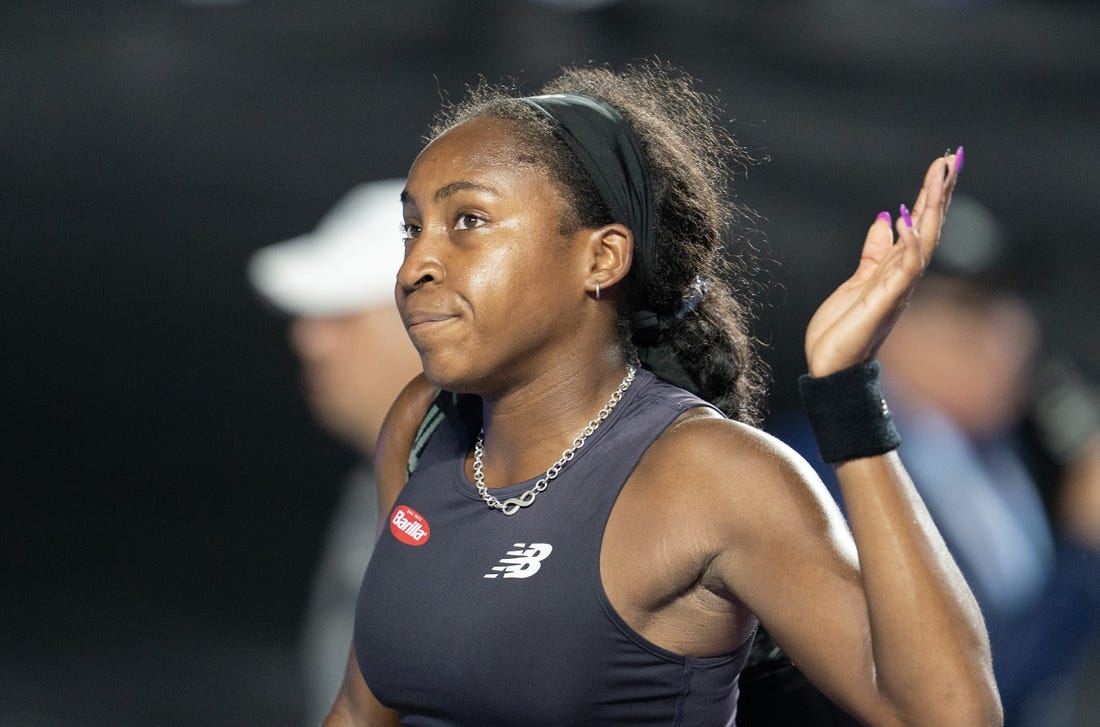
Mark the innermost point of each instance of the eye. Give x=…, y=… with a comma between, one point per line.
x=468, y=221
x=409, y=230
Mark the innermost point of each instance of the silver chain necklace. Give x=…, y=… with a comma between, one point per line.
x=512, y=505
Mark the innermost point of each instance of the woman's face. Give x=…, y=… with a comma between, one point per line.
x=490, y=291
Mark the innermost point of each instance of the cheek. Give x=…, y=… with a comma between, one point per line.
x=506, y=277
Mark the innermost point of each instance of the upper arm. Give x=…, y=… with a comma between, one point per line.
x=794, y=564
x=782, y=548
x=891, y=633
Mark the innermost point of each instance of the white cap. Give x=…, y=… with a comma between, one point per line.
x=348, y=263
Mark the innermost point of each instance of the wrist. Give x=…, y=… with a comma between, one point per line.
x=848, y=413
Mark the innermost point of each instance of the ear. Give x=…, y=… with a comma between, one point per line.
x=609, y=251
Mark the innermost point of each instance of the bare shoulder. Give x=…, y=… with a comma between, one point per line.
x=746, y=483
x=734, y=456
x=395, y=441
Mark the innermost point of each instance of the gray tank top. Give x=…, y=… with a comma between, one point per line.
x=470, y=617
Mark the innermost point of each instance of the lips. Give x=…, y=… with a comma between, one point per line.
x=420, y=319
x=423, y=321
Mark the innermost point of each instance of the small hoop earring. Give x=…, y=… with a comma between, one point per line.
x=597, y=290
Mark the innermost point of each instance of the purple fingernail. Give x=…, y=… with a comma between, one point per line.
x=905, y=216
x=884, y=215
x=958, y=160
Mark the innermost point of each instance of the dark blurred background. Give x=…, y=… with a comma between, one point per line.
x=164, y=490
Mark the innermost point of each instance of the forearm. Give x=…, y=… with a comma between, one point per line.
x=928, y=640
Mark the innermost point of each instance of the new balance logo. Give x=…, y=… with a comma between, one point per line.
x=523, y=562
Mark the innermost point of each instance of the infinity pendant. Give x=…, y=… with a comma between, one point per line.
x=513, y=504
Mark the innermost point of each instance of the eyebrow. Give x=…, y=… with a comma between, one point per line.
x=449, y=190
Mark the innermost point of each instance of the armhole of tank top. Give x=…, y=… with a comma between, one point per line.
x=443, y=402
x=681, y=406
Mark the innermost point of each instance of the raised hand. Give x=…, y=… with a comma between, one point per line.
x=854, y=320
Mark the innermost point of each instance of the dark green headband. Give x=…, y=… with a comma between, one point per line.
x=607, y=147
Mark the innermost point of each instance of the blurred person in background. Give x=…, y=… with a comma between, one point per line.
x=1003, y=442
x=337, y=284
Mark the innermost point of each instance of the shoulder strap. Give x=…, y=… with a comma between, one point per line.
x=444, y=402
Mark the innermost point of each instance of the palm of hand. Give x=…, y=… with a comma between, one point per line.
x=855, y=319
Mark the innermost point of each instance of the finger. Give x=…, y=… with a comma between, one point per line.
x=929, y=222
x=931, y=191
x=954, y=168
x=930, y=208
x=879, y=240
x=895, y=280
x=915, y=251
x=949, y=166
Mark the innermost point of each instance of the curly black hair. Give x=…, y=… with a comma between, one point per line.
x=690, y=159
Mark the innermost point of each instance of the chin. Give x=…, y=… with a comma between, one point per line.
x=457, y=384
x=452, y=373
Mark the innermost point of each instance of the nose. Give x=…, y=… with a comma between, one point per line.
x=423, y=263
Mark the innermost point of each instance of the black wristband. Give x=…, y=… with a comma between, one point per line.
x=848, y=414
